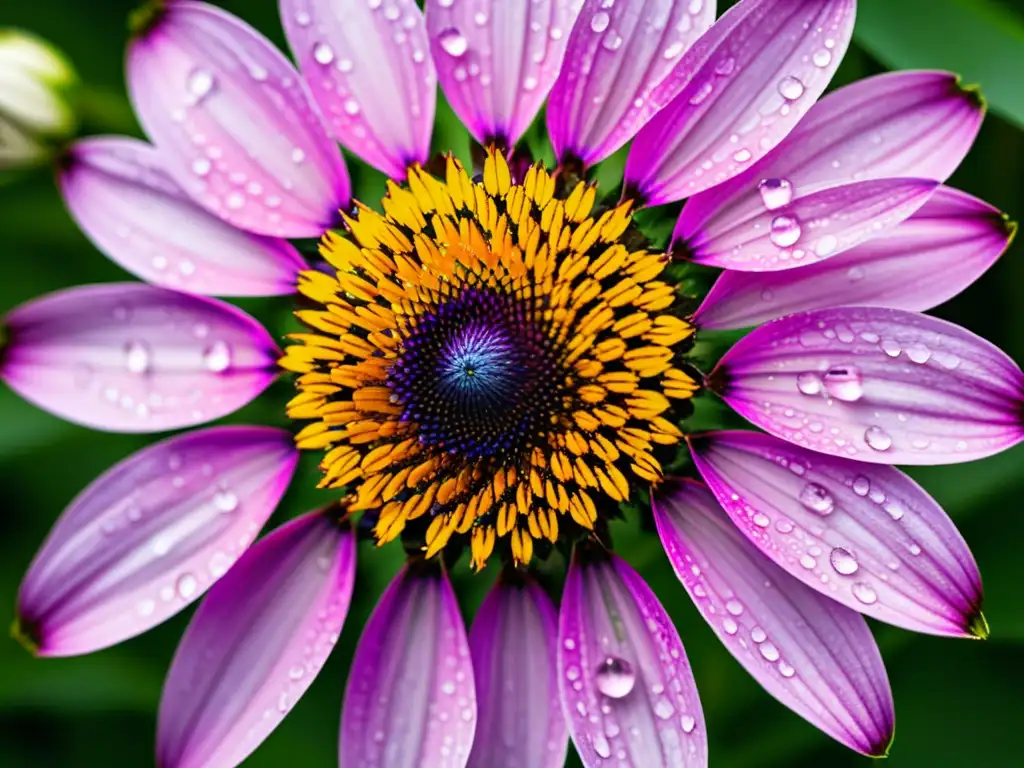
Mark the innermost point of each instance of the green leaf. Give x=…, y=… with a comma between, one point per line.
x=981, y=40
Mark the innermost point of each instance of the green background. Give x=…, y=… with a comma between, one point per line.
x=958, y=702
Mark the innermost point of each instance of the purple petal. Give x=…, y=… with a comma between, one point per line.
x=128, y=357
x=896, y=125
x=256, y=643
x=814, y=227
x=618, y=72
x=370, y=70
x=235, y=123
x=626, y=686
x=927, y=259
x=410, y=698
x=119, y=192
x=150, y=535
x=749, y=81
x=865, y=535
x=812, y=654
x=879, y=385
x=497, y=60
x=512, y=642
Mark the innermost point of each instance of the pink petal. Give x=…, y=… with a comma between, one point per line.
x=120, y=193
x=369, y=67
x=513, y=642
x=235, y=123
x=865, y=535
x=812, y=654
x=814, y=227
x=749, y=81
x=626, y=685
x=150, y=535
x=896, y=125
x=128, y=357
x=497, y=60
x=879, y=385
x=618, y=71
x=927, y=259
x=410, y=698
x=256, y=643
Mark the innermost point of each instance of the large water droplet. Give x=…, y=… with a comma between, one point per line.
x=877, y=439
x=136, y=357
x=864, y=593
x=688, y=723
x=844, y=383
x=808, y=383
x=601, y=746
x=822, y=58
x=785, y=231
x=843, y=561
x=217, y=357
x=615, y=677
x=896, y=512
x=775, y=193
x=791, y=88
x=918, y=353
x=758, y=635
x=769, y=651
x=861, y=485
x=735, y=607
x=817, y=499
x=600, y=21
x=453, y=42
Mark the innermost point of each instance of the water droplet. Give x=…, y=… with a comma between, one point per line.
x=817, y=499
x=201, y=166
x=726, y=66
x=784, y=526
x=864, y=593
x=826, y=245
x=844, y=383
x=822, y=58
x=769, y=651
x=853, y=274
x=808, y=562
x=302, y=19
x=225, y=501
x=758, y=635
x=448, y=687
x=688, y=723
x=843, y=561
x=600, y=21
x=729, y=626
x=612, y=41
x=791, y=88
x=785, y=231
x=529, y=83
x=785, y=669
x=702, y=93
x=914, y=549
x=735, y=607
x=351, y=106
x=664, y=709
x=187, y=585
x=919, y=353
x=136, y=357
x=775, y=193
x=147, y=607
x=861, y=485
x=896, y=512
x=453, y=42
x=572, y=673
x=298, y=155
x=217, y=357
x=296, y=672
x=808, y=383
x=569, y=644
x=615, y=677
x=877, y=439
x=200, y=83
x=761, y=520
x=601, y=746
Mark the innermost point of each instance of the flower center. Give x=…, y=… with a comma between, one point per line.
x=488, y=363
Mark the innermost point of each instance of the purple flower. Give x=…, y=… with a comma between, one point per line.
x=497, y=360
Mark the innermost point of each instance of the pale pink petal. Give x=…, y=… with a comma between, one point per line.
x=618, y=71
x=512, y=642
x=749, y=82
x=150, y=535
x=410, y=698
x=497, y=60
x=235, y=123
x=256, y=643
x=879, y=385
x=865, y=535
x=120, y=193
x=812, y=228
x=369, y=67
x=809, y=652
x=626, y=686
x=925, y=260
x=896, y=125
x=129, y=357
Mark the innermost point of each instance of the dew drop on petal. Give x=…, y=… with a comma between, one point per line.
x=600, y=21
x=808, y=383
x=200, y=83
x=136, y=357
x=791, y=88
x=615, y=677
x=217, y=357
x=822, y=58
x=785, y=231
x=187, y=585
x=453, y=42
x=775, y=193
x=861, y=485
x=826, y=245
x=817, y=499
x=758, y=635
x=877, y=439
x=864, y=593
x=843, y=561
x=688, y=723
x=769, y=651
x=844, y=383
x=323, y=53
x=895, y=511
x=225, y=501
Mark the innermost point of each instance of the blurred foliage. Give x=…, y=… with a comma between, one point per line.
x=959, y=702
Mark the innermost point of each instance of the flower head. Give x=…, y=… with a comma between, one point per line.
x=501, y=357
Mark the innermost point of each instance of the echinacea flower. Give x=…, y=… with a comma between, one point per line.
x=35, y=115
x=499, y=358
